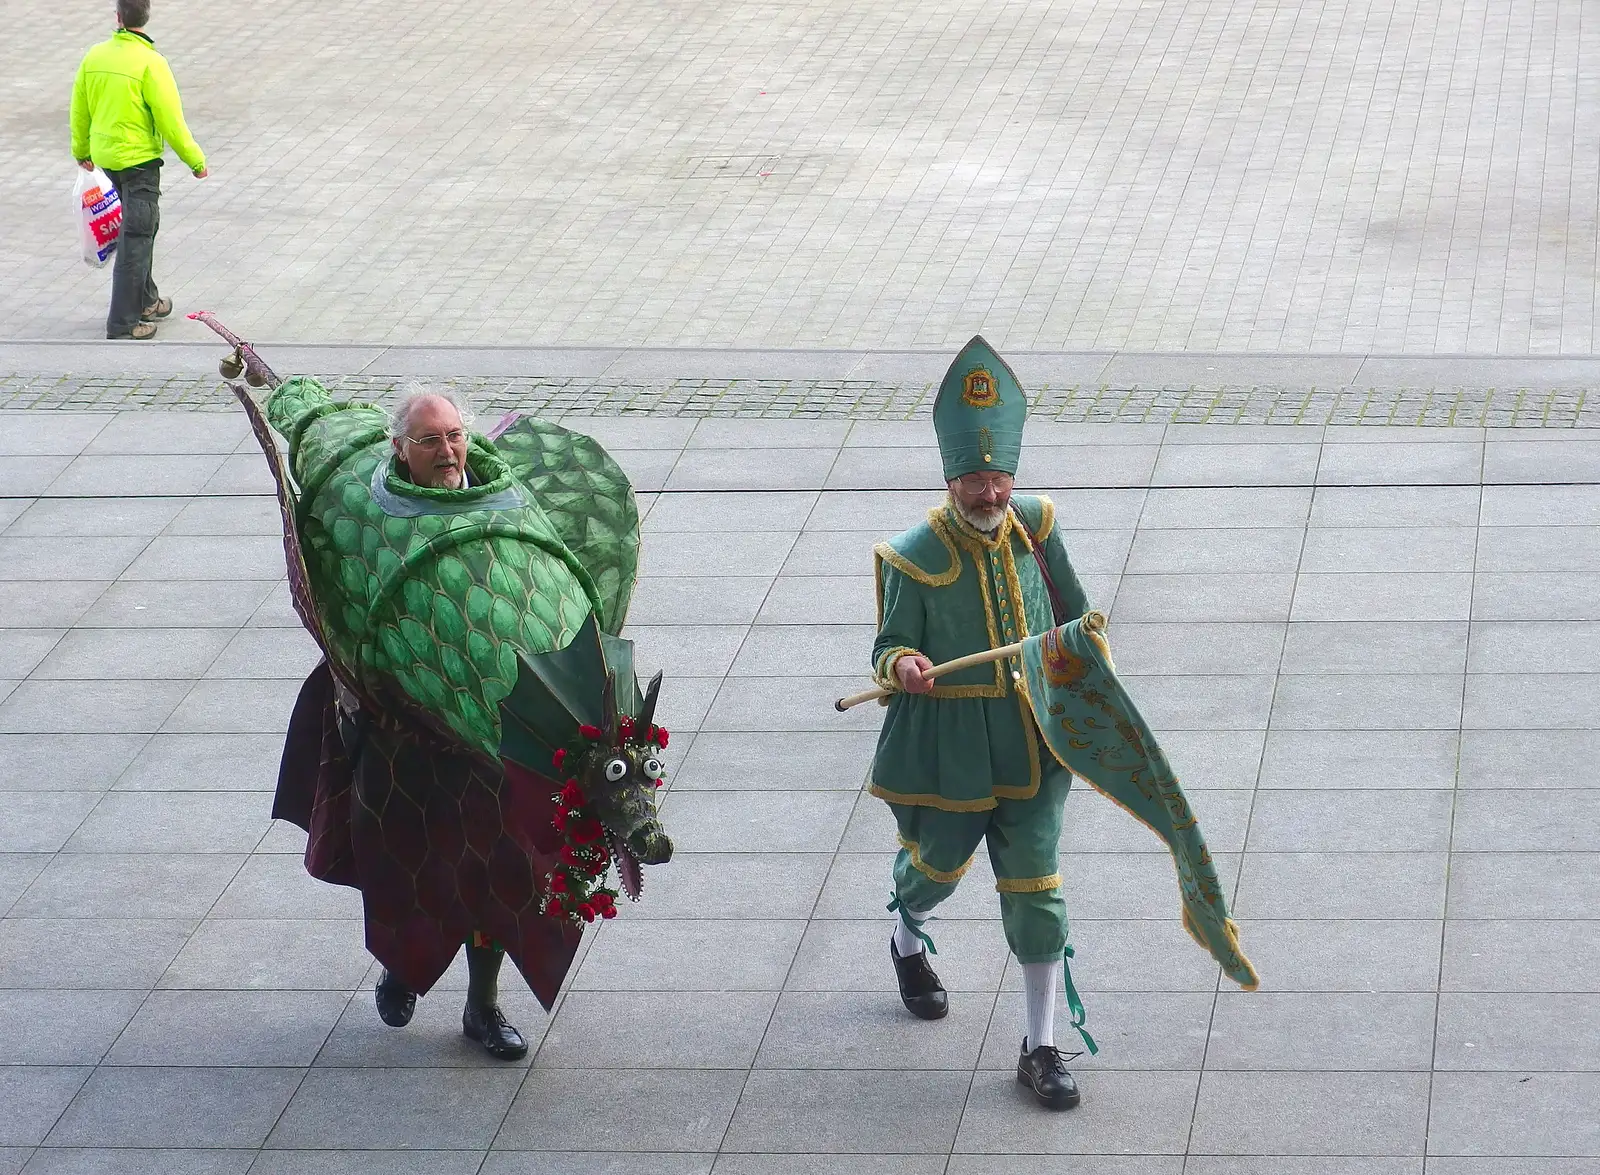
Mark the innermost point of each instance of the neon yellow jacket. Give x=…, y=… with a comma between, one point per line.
x=125, y=106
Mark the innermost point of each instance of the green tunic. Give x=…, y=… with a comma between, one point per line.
x=946, y=590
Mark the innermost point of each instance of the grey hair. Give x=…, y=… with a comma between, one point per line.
x=407, y=396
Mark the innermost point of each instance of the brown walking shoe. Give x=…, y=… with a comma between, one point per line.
x=161, y=309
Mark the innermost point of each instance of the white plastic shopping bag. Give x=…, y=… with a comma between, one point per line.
x=99, y=216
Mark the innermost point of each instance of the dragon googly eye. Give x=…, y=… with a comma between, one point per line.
x=616, y=770
x=652, y=768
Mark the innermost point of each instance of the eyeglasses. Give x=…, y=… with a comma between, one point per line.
x=433, y=440
x=977, y=483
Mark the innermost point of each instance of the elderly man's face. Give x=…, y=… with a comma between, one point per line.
x=435, y=445
x=982, y=498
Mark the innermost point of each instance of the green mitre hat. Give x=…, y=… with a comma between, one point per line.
x=979, y=413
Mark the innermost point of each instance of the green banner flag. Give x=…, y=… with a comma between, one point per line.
x=1095, y=731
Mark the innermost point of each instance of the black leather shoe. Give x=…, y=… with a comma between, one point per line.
x=397, y=1003
x=488, y=1027
x=1044, y=1070
x=920, y=990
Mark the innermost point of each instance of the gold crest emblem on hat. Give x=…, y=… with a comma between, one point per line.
x=978, y=389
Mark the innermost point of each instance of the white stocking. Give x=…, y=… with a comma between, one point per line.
x=907, y=943
x=1040, y=982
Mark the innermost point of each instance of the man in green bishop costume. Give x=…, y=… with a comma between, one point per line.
x=959, y=759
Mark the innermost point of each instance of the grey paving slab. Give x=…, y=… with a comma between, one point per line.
x=273, y=885
x=62, y=1027
x=1339, y=1032
x=1375, y=645
x=1219, y=758
x=1524, y=821
x=1211, y=597
x=46, y=433
x=113, y=654
x=1520, y=461
x=404, y=1108
x=1360, y=758
x=1206, y=509
x=749, y=468
x=852, y=956
x=1203, y=702
x=86, y=954
x=1310, y=1113
x=842, y=1031
x=1262, y=550
x=17, y=871
x=1536, y=596
x=1390, y=549
x=1352, y=955
x=1539, y=548
x=1523, y=885
x=66, y=762
x=1519, y=955
x=177, y=603
x=1197, y=647
x=41, y=822
x=1322, y=885
x=1523, y=758
x=698, y=600
x=266, y=652
x=804, y=760
x=1366, y=820
x=233, y=1028
x=1384, y=596
x=89, y=707
x=1094, y=825
x=174, y=822
x=798, y=703
x=694, y=956
x=140, y=1161
x=732, y=553
x=234, y=707
x=50, y=558
x=132, y=885
x=1552, y=1032
x=185, y=557
x=1535, y=646
x=105, y=475
x=695, y=1030
x=1221, y=464
x=109, y=517
x=46, y=603
x=369, y=1162
x=1128, y=955
x=266, y=954
x=165, y=1107
x=34, y=1098
x=1124, y=885
x=1410, y=463
x=1392, y=506
x=204, y=762
x=1541, y=1114
x=821, y=1164
x=567, y=1109
x=708, y=513
x=1374, y=701
x=847, y=1112
x=1576, y=505
x=152, y=433
x=1529, y=700
x=1302, y=1165
x=21, y=649
x=1088, y=466
x=434, y=1038
x=1138, y=1113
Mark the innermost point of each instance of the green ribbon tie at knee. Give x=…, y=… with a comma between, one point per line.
x=912, y=924
x=1075, y=1002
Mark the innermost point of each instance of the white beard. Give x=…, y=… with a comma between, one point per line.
x=988, y=521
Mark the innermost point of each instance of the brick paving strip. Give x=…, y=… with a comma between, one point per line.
x=877, y=400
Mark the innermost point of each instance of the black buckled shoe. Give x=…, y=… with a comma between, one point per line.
x=397, y=1003
x=920, y=990
x=488, y=1027
x=1044, y=1070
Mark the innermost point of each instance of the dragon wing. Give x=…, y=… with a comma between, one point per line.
x=586, y=496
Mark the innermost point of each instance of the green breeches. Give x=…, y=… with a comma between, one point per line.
x=937, y=847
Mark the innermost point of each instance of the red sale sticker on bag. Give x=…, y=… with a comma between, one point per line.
x=99, y=211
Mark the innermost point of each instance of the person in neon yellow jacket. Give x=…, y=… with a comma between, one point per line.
x=125, y=111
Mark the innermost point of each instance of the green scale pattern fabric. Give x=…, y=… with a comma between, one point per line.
x=441, y=602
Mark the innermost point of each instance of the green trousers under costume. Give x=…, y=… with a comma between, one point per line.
x=937, y=847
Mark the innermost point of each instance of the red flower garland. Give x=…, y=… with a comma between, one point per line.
x=575, y=889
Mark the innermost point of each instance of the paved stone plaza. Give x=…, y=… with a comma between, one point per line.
x=1370, y=652
x=1239, y=175
x=1304, y=294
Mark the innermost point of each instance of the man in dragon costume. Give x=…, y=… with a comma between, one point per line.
x=987, y=751
x=475, y=752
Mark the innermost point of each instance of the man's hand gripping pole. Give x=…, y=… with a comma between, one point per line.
x=967, y=662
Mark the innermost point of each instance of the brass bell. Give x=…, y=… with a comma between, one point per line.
x=253, y=377
x=232, y=366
